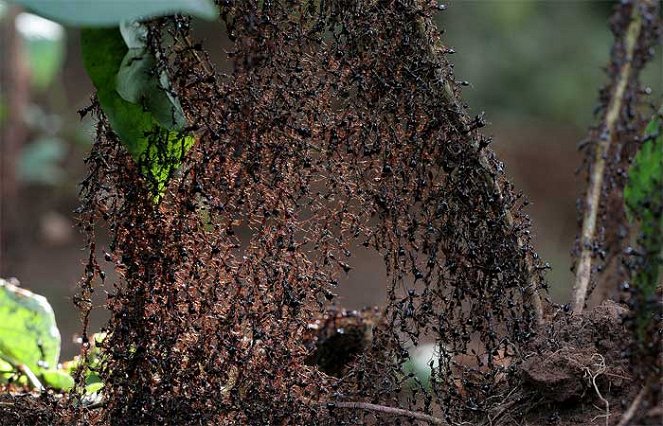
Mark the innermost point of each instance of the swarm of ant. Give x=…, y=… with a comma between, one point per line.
x=339, y=128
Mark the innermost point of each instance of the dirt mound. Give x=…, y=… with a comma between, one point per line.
x=579, y=371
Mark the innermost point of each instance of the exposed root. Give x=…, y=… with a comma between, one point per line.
x=593, y=374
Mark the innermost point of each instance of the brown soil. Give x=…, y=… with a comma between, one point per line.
x=27, y=409
x=577, y=372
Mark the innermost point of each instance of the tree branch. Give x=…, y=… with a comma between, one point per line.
x=596, y=177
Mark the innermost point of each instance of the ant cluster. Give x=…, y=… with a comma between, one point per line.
x=339, y=129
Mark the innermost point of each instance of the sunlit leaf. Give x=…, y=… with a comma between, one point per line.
x=94, y=387
x=7, y=371
x=28, y=332
x=108, y=13
x=57, y=379
x=148, y=119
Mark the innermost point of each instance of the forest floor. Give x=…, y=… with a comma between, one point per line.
x=579, y=374
x=576, y=372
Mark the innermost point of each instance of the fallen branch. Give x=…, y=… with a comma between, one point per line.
x=596, y=177
x=388, y=410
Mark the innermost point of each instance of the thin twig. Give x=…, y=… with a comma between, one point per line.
x=584, y=270
x=628, y=414
x=389, y=410
x=32, y=378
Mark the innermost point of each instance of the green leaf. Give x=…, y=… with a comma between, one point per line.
x=140, y=108
x=137, y=84
x=57, y=379
x=94, y=364
x=94, y=387
x=28, y=332
x=107, y=13
x=643, y=196
x=7, y=370
x=94, y=355
x=44, y=45
x=643, y=193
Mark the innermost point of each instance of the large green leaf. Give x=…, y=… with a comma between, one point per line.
x=107, y=13
x=28, y=333
x=140, y=108
x=138, y=83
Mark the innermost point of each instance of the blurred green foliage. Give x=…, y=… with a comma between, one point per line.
x=3, y=110
x=28, y=334
x=420, y=364
x=533, y=59
x=44, y=48
x=29, y=340
x=40, y=161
